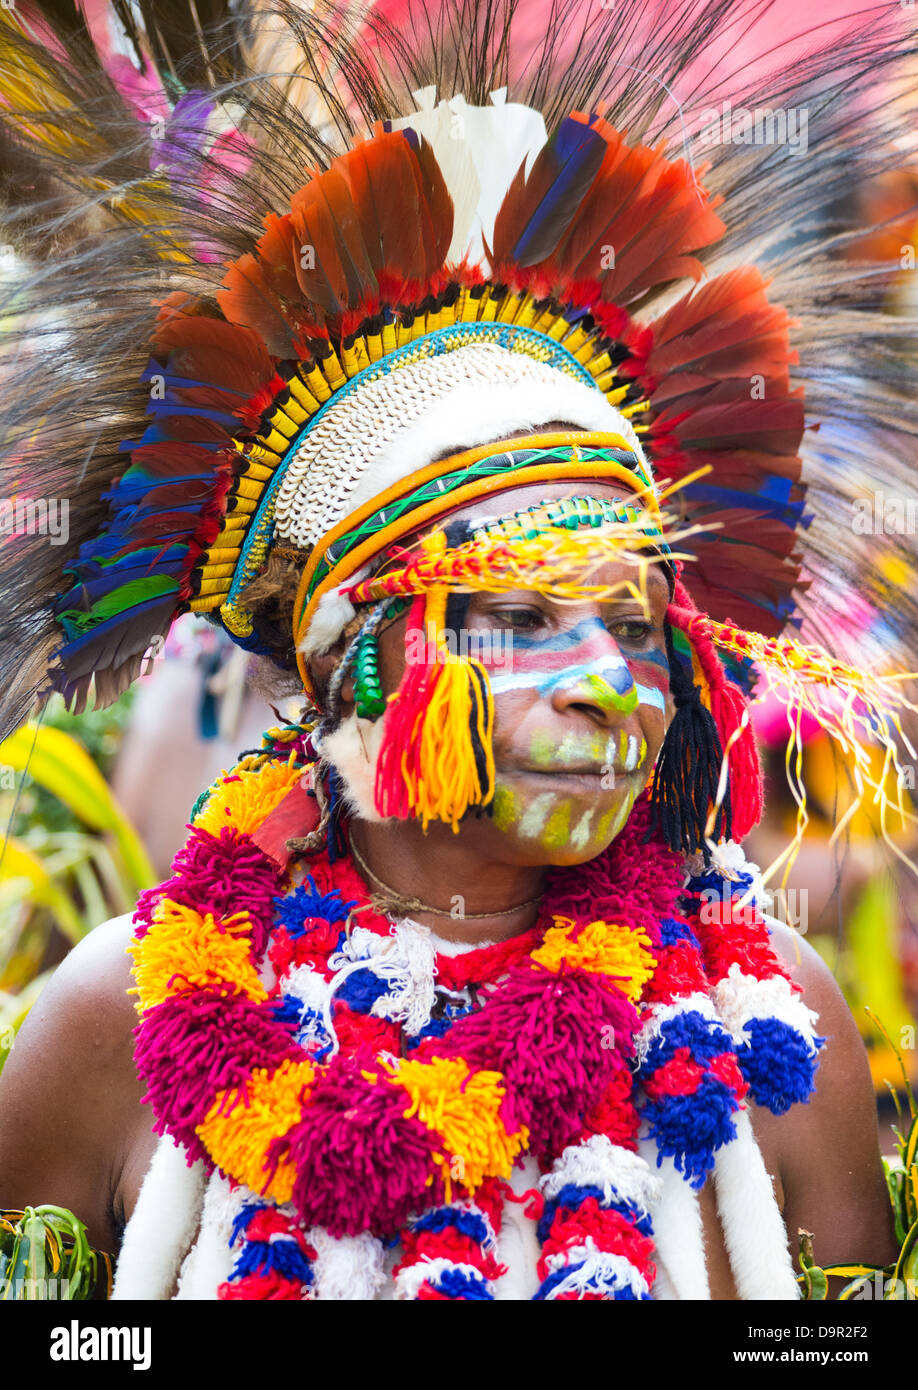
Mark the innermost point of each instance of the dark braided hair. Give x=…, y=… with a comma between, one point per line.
x=688, y=768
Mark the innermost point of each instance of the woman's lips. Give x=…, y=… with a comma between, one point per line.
x=597, y=777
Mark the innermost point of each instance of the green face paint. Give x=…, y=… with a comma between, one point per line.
x=542, y=749
x=556, y=832
x=505, y=810
x=607, y=698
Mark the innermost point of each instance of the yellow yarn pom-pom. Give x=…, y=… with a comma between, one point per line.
x=187, y=950
x=240, y=1128
x=621, y=953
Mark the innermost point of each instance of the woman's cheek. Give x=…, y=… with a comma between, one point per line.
x=650, y=674
x=513, y=709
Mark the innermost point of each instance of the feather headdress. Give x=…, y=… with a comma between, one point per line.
x=322, y=205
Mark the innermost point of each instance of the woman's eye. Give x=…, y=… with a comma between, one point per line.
x=632, y=630
x=522, y=618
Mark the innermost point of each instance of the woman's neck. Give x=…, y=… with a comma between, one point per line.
x=467, y=896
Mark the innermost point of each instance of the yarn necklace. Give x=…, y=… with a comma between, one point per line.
x=362, y=1097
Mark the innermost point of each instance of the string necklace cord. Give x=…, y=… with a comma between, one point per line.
x=404, y=904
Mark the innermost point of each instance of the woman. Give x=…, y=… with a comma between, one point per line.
x=479, y=927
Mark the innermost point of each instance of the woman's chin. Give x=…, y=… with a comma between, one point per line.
x=568, y=822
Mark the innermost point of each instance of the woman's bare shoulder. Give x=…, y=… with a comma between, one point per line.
x=69, y=1094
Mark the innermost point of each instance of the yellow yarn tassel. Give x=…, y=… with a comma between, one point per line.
x=439, y=727
x=460, y=709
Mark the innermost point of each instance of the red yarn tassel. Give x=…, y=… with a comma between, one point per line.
x=396, y=767
x=746, y=800
x=728, y=707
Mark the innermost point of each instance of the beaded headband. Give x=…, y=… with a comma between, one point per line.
x=334, y=457
x=315, y=383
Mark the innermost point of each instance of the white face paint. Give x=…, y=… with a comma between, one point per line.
x=650, y=695
x=580, y=834
x=536, y=814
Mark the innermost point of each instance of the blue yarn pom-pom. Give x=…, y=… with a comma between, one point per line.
x=778, y=1063
x=690, y=1129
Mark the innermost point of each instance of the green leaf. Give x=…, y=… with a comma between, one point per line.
x=48, y=1235
x=895, y=1097
x=910, y=1155
x=36, y=1261
x=895, y=1186
x=900, y=1006
x=909, y=1246
x=813, y=1279
x=849, y=1271
x=12, y=1264
x=816, y=1284
x=95, y=908
x=81, y=1269
x=21, y=863
x=59, y=763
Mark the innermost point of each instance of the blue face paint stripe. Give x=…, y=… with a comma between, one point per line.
x=546, y=681
x=655, y=658
x=650, y=695
x=562, y=641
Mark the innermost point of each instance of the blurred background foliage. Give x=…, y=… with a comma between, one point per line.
x=70, y=856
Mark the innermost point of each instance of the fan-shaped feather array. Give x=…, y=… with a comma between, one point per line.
x=279, y=225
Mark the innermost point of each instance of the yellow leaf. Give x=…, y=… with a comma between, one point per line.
x=20, y=863
x=60, y=764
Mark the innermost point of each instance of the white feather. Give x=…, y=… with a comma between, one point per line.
x=754, y=1232
x=479, y=150
x=161, y=1227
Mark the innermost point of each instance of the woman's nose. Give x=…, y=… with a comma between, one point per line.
x=597, y=682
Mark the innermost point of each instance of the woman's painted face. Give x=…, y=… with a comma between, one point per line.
x=580, y=710
x=579, y=714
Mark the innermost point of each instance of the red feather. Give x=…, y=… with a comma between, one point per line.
x=247, y=299
x=384, y=187
x=645, y=210
x=529, y=201
x=436, y=207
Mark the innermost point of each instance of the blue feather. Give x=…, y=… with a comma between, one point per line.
x=575, y=151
